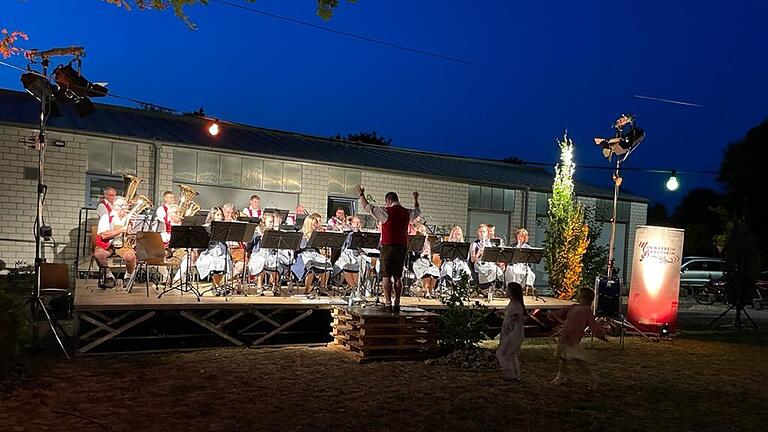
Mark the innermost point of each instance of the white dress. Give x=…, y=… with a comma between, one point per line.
x=487, y=272
x=349, y=260
x=512, y=335
x=520, y=272
x=423, y=266
x=454, y=269
x=308, y=260
x=214, y=259
x=269, y=259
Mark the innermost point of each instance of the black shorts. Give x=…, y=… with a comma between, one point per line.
x=392, y=260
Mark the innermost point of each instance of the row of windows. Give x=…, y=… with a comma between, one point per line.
x=491, y=198
x=112, y=158
x=236, y=171
x=341, y=182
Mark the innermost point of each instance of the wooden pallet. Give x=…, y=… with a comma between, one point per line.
x=368, y=334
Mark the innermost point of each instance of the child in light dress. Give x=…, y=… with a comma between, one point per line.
x=512, y=333
x=576, y=318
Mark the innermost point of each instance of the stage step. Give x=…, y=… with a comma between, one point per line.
x=370, y=334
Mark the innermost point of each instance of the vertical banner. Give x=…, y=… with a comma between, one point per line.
x=653, y=295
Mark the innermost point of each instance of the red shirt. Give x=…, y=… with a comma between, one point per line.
x=395, y=230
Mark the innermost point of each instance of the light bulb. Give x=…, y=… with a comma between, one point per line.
x=213, y=129
x=672, y=183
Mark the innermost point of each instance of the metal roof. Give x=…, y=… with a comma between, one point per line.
x=20, y=108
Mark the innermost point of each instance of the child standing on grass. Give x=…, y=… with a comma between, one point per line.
x=576, y=318
x=512, y=333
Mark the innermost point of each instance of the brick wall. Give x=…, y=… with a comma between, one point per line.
x=442, y=202
x=314, y=188
x=637, y=216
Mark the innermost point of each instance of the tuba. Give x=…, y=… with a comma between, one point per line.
x=187, y=207
x=140, y=204
x=130, y=186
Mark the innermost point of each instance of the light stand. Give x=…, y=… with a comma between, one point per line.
x=37, y=303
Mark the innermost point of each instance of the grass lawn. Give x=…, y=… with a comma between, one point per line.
x=707, y=383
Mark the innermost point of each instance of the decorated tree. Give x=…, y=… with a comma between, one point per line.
x=565, y=241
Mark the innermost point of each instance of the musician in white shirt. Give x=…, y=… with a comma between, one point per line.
x=487, y=272
x=521, y=272
x=453, y=269
x=109, y=240
x=254, y=209
x=339, y=220
x=161, y=215
x=349, y=259
x=291, y=219
x=106, y=201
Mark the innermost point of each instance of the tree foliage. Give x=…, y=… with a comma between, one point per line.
x=8, y=42
x=462, y=325
x=566, y=236
x=325, y=8
x=367, y=138
x=697, y=214
x=595, y=257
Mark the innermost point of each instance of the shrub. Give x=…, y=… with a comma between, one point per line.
x=462, y=325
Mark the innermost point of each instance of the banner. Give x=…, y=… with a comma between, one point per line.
x=653, y=295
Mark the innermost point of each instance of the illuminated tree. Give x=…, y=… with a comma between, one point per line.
x=565, y=241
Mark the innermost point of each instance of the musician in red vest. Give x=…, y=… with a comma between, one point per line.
x=106, y=202
x=394, y=220
x=254, y=208
x=161, y=214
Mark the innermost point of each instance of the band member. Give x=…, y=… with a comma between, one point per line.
x=170, y=219
x=254, y=208
x=106, y=202
x=109, y=241
x=264, y=260
x=310, y=263
x=521, y=272
x=453, y=269
x=292, y=219
x=496, y=240
x=423, y=267
x=215, y=258
x=236, y=249
x=349, y=260
x=339, y=220
x=161, y=215
x=487, y=272
x=394, y=220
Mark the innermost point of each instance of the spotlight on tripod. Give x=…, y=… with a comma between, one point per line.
x=626, y=138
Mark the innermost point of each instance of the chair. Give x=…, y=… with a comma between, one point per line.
x=150, y=251
x=54, y=287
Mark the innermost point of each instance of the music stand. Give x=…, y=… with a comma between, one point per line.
x=194, y=220
x=528, y=256
x=362, y=240
x=187, y=237
x=238, y=232
x=415, y=244
x=282, y=214
x=327, y=239
x=281, y=240
x=450, y=251
x=249, y=219
x=497, y=255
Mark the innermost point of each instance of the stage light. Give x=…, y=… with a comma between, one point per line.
x=628, y=136
x=213, y=129
x=673, y=184
x=39, y=87
x=70, y=80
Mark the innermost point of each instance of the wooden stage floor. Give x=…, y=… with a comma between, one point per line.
x=89, y=297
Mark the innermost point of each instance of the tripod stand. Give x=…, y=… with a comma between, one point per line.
x=364, y=243
x=187, y=237
x=280, y=241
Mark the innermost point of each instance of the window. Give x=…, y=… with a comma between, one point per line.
x=491, y=198
x=499, y=219
x=95, y=184
x=341, y=182
x=348, y=204
x=202, y=167
x=106, y=158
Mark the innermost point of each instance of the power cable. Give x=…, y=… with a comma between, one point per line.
x=350, y=35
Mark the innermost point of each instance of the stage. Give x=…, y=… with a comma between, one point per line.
x=114, y=320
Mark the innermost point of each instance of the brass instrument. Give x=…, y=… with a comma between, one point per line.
x=130, y=186
x=187, y=207
x=140, y=204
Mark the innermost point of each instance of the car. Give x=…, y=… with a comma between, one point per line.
x=697, y=271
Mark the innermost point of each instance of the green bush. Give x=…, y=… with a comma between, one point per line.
x=462, y=325
x=13, y=328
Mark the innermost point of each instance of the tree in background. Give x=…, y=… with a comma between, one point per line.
x=658, y=215
x=697, y=214
x=367, y=138
x=566, y=236
x=595, y=255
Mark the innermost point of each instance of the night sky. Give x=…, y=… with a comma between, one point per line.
x=546, y=66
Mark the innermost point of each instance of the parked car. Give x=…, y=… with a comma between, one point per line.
x=697, y=271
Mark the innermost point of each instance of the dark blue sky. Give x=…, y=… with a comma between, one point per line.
x=552, y=65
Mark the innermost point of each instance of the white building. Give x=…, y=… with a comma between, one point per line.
x=86, y=154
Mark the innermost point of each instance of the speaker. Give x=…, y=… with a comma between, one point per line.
x=607, y=297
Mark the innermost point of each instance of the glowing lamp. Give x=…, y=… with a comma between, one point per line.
x=213, y=129
x=664, y=331
x=673, y=184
